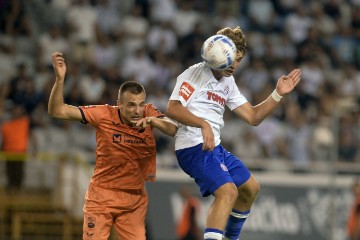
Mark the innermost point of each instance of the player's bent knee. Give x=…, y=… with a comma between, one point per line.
x=227, y=192
x=249, y=190
x=256, y=187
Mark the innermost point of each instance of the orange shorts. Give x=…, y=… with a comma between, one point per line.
x=125, y=209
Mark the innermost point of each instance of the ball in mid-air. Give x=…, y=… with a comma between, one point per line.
x=218, y=52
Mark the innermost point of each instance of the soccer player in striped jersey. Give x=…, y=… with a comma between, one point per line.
x=198, y=103
x=125, y=156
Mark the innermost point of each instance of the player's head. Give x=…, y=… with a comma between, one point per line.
x=131, y=102
x=238, y=37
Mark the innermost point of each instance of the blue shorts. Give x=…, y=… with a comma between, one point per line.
x=212, y=169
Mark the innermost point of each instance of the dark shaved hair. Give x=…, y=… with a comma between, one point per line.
x=130, y=86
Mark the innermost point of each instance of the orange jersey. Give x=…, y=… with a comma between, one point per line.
x=125, y=156
x=353, y=224
x=15, y=135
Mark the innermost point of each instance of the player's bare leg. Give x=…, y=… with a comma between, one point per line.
x=247, y=194
x=219, y=211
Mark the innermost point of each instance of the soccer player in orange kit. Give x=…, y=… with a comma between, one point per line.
x=125, y=156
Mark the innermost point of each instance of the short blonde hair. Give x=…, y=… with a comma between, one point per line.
x=237, y=36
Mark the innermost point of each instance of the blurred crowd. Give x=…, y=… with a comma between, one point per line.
x=107, y=42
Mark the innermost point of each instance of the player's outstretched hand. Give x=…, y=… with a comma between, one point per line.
x=286, y=84
x=59, y=65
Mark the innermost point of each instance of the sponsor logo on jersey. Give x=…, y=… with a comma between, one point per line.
x=127, y=138
x=216, y=98
x=223, y=167
x=186, y=90
x=133, y=140
x=116, y=138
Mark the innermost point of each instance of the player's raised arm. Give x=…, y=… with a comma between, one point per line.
x=254, y=115
x=56, y=106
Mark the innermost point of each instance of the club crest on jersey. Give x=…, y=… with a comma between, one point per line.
x=226, y=90
x=186, y=90
x=216, y=98
x=223, y=167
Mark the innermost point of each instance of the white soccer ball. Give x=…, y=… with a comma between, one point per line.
x=218, y=52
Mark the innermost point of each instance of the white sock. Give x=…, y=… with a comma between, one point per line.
x=213, y=235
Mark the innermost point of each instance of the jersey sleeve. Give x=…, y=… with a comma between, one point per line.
x=92, y=114
x=152, y=111
x=236, y=98
x=184, y=90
